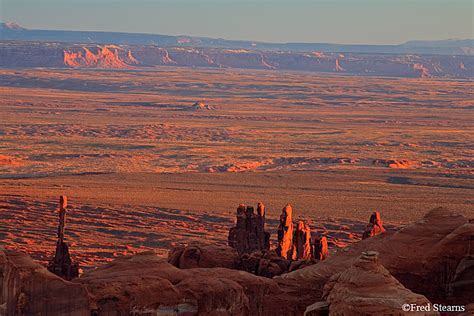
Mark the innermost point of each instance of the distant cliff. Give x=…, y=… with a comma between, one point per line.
x=15, y=32
x=45, y=54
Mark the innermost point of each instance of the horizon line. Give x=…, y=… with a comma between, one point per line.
x=21, y=28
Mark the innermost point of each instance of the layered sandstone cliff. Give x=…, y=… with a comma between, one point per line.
x=43, y=54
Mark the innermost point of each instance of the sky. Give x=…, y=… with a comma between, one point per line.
x=322, y=21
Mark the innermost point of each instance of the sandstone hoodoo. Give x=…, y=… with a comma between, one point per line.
x=428, y=261
x=375, y=226
x=249, y=234
x=249, y=247
x=320, y=248
x=427, y=257
x=285, y=233
x=62, y=264
x=302, y=242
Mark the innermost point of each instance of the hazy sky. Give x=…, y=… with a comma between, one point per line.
x=335, y=21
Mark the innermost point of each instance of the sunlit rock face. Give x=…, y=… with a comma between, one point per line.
x=285, y=233
x=374, y=227
x=42, y=54
x=425, y=257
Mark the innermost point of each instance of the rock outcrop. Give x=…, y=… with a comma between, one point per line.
x=320, y=248
x=302, y=242
x=27, y=288
x=367, y=288
x=432, y=257
x=267, y=264
x=204, y=256
x=60, y=54
x=285, y=233
x=130, y=285
x=62, y=264
x=374, y=227
x=461, y=281
x=106, y=57
x=423, y=256
x=201, y=106
x=249, y=233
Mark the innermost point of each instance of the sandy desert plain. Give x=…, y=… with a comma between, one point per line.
x=146, y=169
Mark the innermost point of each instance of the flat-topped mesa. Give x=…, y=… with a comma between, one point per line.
x=285, y=233
x=62, y=264
x=375, y=226
x=302, y=242
x=320, y=248
x=249, y=234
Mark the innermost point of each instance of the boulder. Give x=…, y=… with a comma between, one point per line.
x=204, y=256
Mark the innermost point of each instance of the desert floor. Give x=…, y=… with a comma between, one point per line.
x=144, y=169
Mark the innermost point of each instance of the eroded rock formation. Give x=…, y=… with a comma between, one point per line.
x=423, y=256
x=107, y=57
x=430, y=257
x=249, y=233
x=375, y=226
x=204, y=256
x=62, y=264
x=302, y=242
x=320, y=248
x=27, y=288
x=461, y=279
x=49, y=54
x=285, y=233
x=129, y=285
x=346, y=292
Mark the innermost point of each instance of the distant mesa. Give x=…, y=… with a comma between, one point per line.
x=126, y=56
x=11, y=26
x=201, y=106
x=106, y=57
